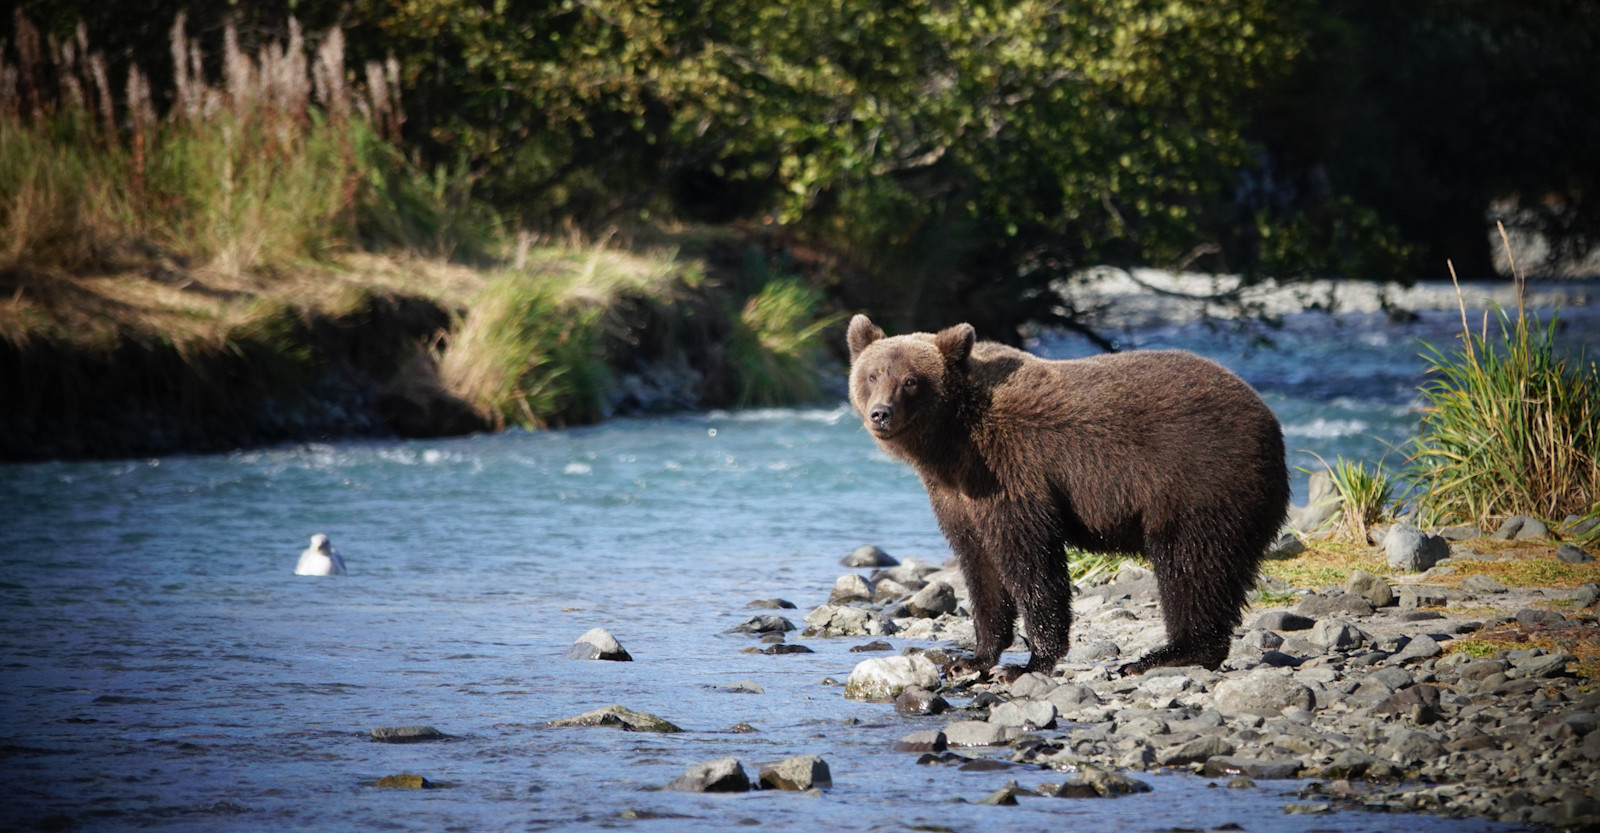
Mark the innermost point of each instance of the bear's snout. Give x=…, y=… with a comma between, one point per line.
x=881, y=416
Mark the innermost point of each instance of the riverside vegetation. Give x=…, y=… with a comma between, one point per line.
x=263, y=263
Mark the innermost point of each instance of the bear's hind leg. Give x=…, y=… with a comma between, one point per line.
x=1045, y=597
x=1202, y=601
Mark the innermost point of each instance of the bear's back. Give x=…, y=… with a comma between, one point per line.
x=1153, y=430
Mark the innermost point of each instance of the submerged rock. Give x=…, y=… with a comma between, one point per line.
x=405, y=782
x=407, y=734
x=618, y=716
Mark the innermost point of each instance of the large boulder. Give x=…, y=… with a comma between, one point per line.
x=1264, y=692
x=1410, y=549
x=883, y=678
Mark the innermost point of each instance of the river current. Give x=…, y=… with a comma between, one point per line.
x=161, y=668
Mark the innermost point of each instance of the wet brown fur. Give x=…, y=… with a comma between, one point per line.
x=1160, y=452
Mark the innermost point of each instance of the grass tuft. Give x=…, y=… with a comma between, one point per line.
x=1510, y=426
x=775, y=340
x=1366, y=497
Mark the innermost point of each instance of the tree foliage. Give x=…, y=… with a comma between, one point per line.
x=968, y=155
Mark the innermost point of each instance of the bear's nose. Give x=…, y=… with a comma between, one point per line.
x=880, y=415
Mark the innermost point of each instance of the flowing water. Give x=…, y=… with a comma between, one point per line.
x=163, y=669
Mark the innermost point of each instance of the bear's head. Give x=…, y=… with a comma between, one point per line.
x=900, y=382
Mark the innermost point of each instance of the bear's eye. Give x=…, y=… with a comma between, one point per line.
x=911, y=383
x=872, y=377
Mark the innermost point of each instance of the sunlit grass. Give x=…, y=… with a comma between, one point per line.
x=1580, y=640
x=1326, y=562
x=1510, y=426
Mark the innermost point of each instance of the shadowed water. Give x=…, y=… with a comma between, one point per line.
x=163, y=669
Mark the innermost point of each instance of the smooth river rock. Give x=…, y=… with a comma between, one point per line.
x=598, y=643
x=884, y=678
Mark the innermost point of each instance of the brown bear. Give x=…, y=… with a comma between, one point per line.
x=1160, y=452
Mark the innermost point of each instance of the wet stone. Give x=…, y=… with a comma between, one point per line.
x=800, y=773
x=870, y=647
x=1005, y=796
x=974, y=733
x=598, y=644
x=765, y=623
x=1267, y=769
x=850, y=587
x=886, y=677
x=771, y=604
x=405, y=782
x=936, y=599
x=868, y=556
x=724, y=775
x=619, y=717
x=1024, y=714
x=407, y=734
x=1196, y=751
x=788, y=649
x=931, y=740
x=920, y=701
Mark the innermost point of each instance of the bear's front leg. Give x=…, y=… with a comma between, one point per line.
x=994, y=610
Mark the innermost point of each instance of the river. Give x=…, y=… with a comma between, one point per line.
x=164, y=670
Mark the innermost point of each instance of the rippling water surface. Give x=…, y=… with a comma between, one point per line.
x=163, y=668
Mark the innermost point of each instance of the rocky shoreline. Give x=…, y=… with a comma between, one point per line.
x=1361, y=688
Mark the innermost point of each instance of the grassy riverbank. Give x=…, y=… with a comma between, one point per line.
x=262, y=263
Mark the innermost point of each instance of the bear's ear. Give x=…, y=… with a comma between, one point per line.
x=862, y=333
x=956, y=342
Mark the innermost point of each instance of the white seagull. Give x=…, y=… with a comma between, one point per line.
x=320, y=559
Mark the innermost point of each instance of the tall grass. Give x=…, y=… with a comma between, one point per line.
x=1510, y=425
x=1365, y=495
x=274, y=162
x=775, y=340
x=528, y=352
